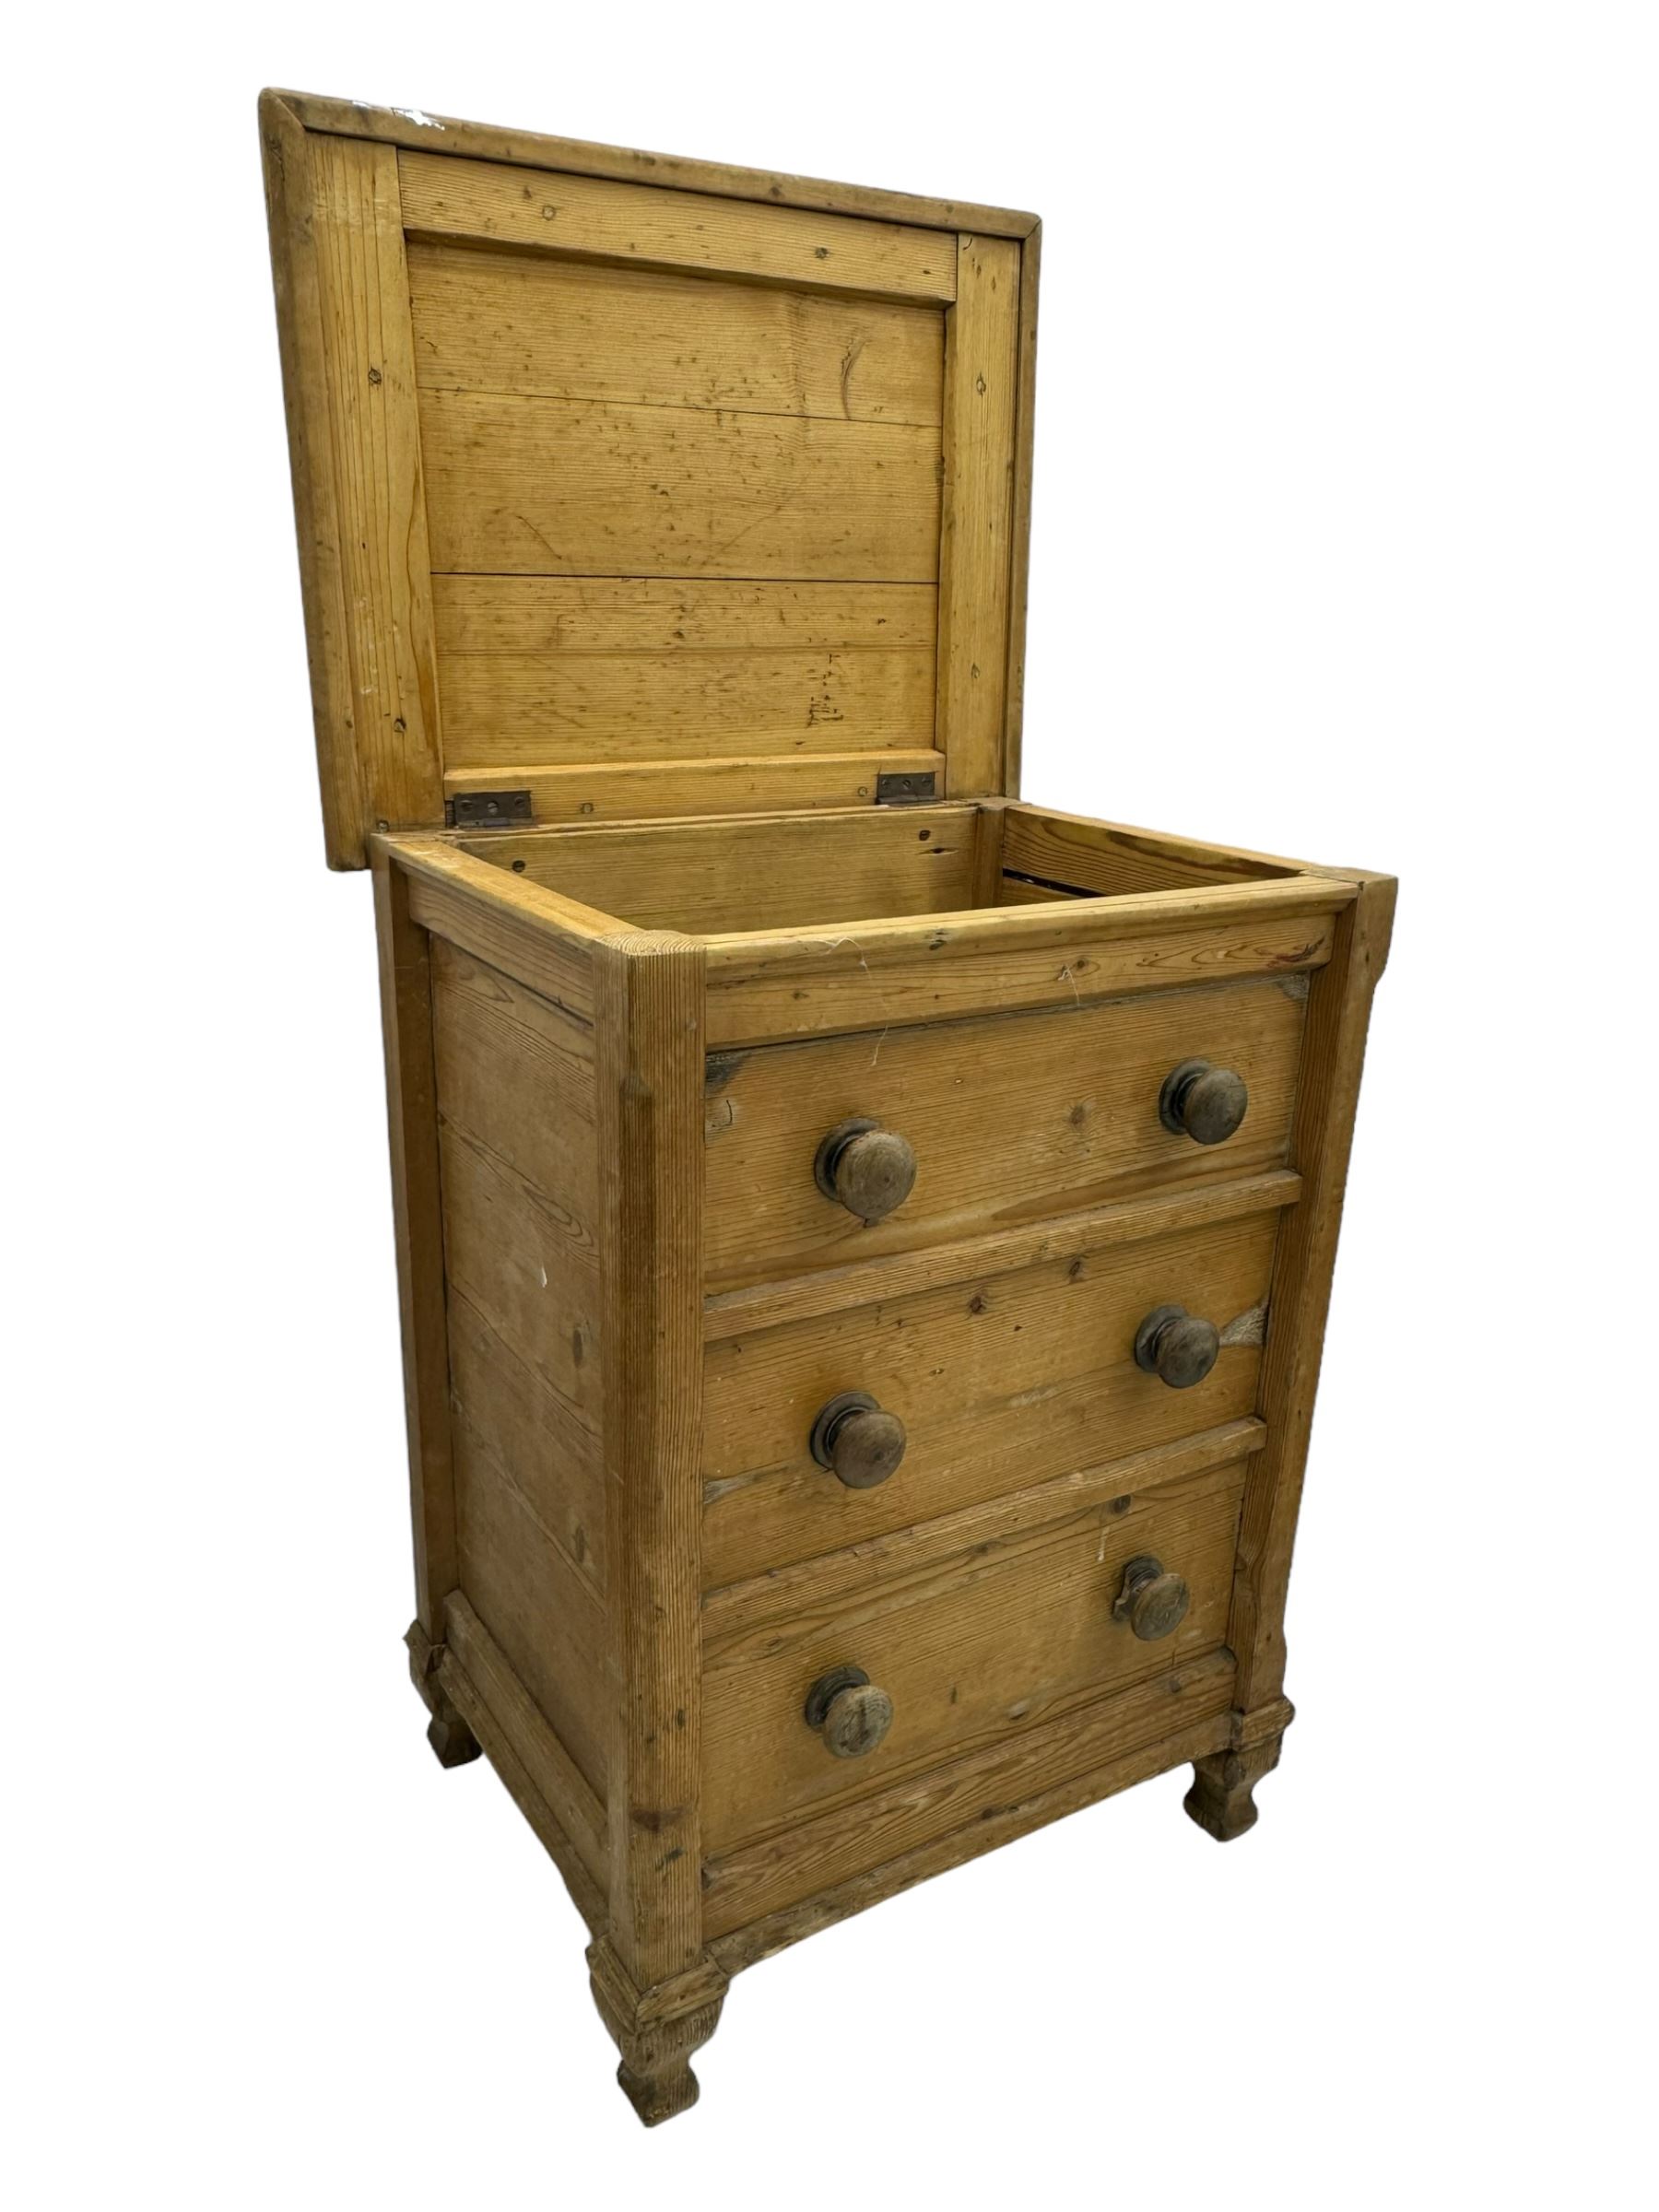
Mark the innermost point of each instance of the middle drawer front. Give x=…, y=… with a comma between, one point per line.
x=1011, y=1635
x=1001, y=1382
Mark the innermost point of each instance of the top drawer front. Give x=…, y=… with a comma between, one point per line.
x=1011, y=1117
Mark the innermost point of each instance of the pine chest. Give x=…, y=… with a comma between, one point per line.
x=864, y=1242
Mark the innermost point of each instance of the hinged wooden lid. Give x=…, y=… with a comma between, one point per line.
x=628, y=485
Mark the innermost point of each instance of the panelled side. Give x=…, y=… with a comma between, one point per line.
x=519, y=1149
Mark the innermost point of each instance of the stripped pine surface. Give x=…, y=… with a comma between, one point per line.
x=756, y=874
x=988, y=1646
x=1011, y=1117
x=638, y=224
x=523, y=485
x=519, y=1160
x=1001, y=1382
x=526, y=323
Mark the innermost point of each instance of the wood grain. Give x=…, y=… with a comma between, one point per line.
x=526, y=323
x=1001, y=1382
x=755, y=872
x=650, y=1068
x=1070, y=852
x=982, y=370
x=797, y=983
x=582, y=487
x=544, y=942
x=406, y=980
x=305, y=391
x=1030, y=259
x=1321, y=1140
x=504, y=712
x=643, y=225
x=767, y=1895
x=1012, y=1117
x=990, y=1646
x=646, y=790
x=368, y=348
x=524, y=1750
x=577, y=157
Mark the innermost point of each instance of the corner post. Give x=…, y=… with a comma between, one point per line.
x=417, y=1219
x=655, y=1991
x=1339, y=1003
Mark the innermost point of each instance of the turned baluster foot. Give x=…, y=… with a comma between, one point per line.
x=656, y=2031
x=1221, y=1799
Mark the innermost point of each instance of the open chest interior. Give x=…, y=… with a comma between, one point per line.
x=722, y=877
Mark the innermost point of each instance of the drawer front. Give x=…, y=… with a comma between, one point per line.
x=1010, y=1119
x=999, y=1382
x=1008, y=1638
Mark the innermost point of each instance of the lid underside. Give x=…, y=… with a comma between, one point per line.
x=619, y=499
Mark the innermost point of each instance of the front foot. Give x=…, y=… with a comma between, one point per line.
x=453, y=1743
x=656, y=2031
x=1221, y=1799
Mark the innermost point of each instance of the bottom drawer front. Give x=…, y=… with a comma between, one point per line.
x=1012, y=1635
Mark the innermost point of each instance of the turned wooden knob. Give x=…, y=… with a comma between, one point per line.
x=1152, y=1601
x=856, y=1441
x=1176, y=1346
x=866, y=1168
x=1203, y=1102
x=848, y=1711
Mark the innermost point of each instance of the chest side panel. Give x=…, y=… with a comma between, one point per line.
x=519, y=1159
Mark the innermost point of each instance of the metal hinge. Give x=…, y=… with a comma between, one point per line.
x=905, y=790
x=489, y=810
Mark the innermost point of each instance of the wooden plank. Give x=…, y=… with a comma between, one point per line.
x=797, y=983
x=1334, y=1058
x=919, y=1549
x=770, y=1303
x=562, y=617
x=757, y=871
x=1071, y=851
x=534, y=149
x=528, y=1264
x=362, y=290
x=988, y=1800
x=649, y=789
x=644, y=226
x=982, y=372
x=540, y=1612
x=515, y=1083
x=579, y=487
x=535, y=1435
x=504, y=712
x=1002, y=1382
x=417, y=1222
x=305, y=391
x=516, y=1075
x=1012, y=1118
x=650, y=1072
x=490, y=321
x=988, y=1648
x=1024, y=440
x=543, y=941
x=475, y=1653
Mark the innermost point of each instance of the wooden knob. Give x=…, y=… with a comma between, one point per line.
x=1176, y=1346
x=849, y=1711
x=1152, y=1601
x=860, y=1444
x=1203, y=1102
x=866, y=1168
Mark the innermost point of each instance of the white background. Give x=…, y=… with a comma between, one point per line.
x=1345, y=546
